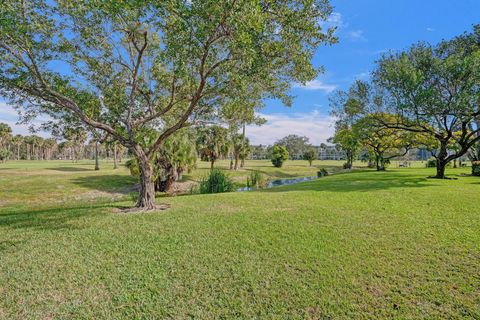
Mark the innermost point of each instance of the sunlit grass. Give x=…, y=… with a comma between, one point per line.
x=360, y=245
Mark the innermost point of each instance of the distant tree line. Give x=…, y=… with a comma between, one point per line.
x=74, y=145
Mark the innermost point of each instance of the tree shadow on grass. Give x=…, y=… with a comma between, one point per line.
x=360, y=181
x=49, y=218
x=108, y=183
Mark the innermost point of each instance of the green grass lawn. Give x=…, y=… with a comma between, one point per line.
x=360, y=245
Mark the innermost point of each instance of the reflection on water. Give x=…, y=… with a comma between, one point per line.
x=281, y=182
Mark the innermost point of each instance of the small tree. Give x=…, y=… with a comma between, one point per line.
x=384, y=143
x=212, y=143
x=296, y=145
x=5, y=138
x=279, y=155
x=347, y=107
x=310, y=155
x=5, y=134
x=347, y=140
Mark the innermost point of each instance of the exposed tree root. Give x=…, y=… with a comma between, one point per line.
x=134, y=210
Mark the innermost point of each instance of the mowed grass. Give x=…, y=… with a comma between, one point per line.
x=360, y=245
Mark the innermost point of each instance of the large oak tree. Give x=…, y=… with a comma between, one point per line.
x=434, y=90
x=126, y=66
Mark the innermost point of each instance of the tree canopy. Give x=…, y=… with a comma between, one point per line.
x=434, y=90
x=127, y=67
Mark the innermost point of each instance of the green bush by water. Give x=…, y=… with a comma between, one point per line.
x=256, y=179
x=216, y=182
x=322, y=173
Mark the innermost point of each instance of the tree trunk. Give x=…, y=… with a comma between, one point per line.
x=18, y=152
x=380, y=162
x=97, y=166
x=455, y=163
x=164, y=185
x=168, y=175
x=441, y=163
x=115, y=164
x=212, y=162
x=236, y=162
x=242, y=164
x=146, y=197
x=440, y=170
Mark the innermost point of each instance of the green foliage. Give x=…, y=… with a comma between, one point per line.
x=240, y=147
x=414, y=82
x=217, y=181
x=347, y=140
x=476, y=168
x=385, y=143
x=4, y=154
x=257, y=179
x=5, y=134
x=177, y=156
x=322, y=173
x=296, y=145
x=431, y=163
x=212, y=143
x=279, y=155
x=142, y=70
x=310, y=155
x=132, y=165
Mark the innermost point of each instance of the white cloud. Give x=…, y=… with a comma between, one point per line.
x=315, y=126
x=335, y=20
x=356, y=35
x=429, y=29
x=10, y=116
x=316, y=85
x=362, y=75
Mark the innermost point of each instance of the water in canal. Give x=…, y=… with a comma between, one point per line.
x=281, y=182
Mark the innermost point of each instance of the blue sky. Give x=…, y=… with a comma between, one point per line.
x=366, y=29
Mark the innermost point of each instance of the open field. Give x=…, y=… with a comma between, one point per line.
x=359, y=245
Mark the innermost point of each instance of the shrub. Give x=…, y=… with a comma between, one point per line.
x=347, y=165
x=476, y=168
x=322, y=173
x=279, y=155
x=256, y=179
x=216, y=182
x=432, y=163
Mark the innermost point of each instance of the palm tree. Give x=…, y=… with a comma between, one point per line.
x=49, y=145
x=212, y=143
x=17, y=141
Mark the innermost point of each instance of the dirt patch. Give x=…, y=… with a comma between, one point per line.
x=183, y=187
